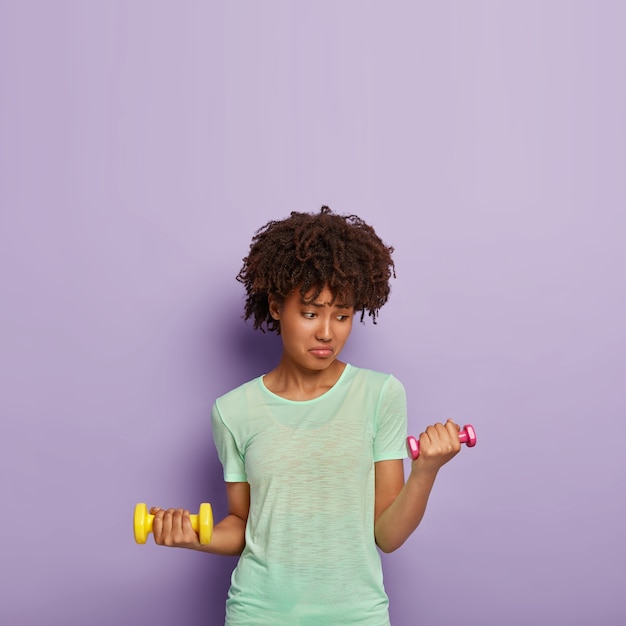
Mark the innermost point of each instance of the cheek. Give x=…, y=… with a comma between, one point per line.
x=294, y=331
x=345, y=330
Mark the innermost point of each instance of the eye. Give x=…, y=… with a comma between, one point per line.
x=342, y=318
x=308, y=314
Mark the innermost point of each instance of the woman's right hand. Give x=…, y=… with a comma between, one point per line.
x=172, y=528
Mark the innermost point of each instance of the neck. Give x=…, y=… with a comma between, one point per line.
x=295, y=383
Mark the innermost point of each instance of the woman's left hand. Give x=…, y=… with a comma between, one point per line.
x=439, y=443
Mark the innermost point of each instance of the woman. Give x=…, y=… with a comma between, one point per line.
x=313, y=450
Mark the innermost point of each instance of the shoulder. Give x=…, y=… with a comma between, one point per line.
x=375, y=389
x=240, y=396
x=381, y=381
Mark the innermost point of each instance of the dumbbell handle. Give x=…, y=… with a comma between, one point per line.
x=467, y=436
x=201, y=523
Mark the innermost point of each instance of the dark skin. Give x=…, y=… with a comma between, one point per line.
x=305, y=278
x=313, y=335
x=308, y=252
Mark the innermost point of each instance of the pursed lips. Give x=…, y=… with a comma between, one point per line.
x=322, y=351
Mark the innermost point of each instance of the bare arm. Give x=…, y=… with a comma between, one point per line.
x=172, y=528
x=400, y=506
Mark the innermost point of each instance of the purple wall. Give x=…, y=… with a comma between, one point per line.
x=142, y=143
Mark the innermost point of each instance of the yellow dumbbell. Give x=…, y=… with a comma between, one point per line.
x=201, y=523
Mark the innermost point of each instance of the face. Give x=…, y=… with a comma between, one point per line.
x=313, y=332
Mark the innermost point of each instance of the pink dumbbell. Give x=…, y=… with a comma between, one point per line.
x=467, y=435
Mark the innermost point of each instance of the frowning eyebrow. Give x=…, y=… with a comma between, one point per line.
x=319, y=305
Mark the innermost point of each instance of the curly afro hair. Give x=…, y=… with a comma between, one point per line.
x=310, y=251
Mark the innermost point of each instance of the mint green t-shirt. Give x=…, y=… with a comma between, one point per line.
x=310, y=556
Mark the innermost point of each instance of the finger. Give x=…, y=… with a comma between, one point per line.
x=448, y=436
x=177, y=522
x=167, y=527
x=157, y=524
x=182, y=529
x=453, y=432
x=189, y=532
x=441, y=430
x=186, y=522
x=442, y=438
x=445, y=438
x=163, y=523
x=424, y=440
x=436, y=433
x=428, y=441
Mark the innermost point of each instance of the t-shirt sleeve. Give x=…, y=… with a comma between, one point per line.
x=391, y=422
x=227, y=450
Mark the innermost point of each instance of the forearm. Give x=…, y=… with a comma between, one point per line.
x=228, y=537
x=398, y=521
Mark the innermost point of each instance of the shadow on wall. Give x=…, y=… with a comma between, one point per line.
x=232, y=352
x=245, y=354
x=242, y=354
x=253, y=352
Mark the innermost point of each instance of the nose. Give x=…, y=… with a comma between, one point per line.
x=323, y=331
